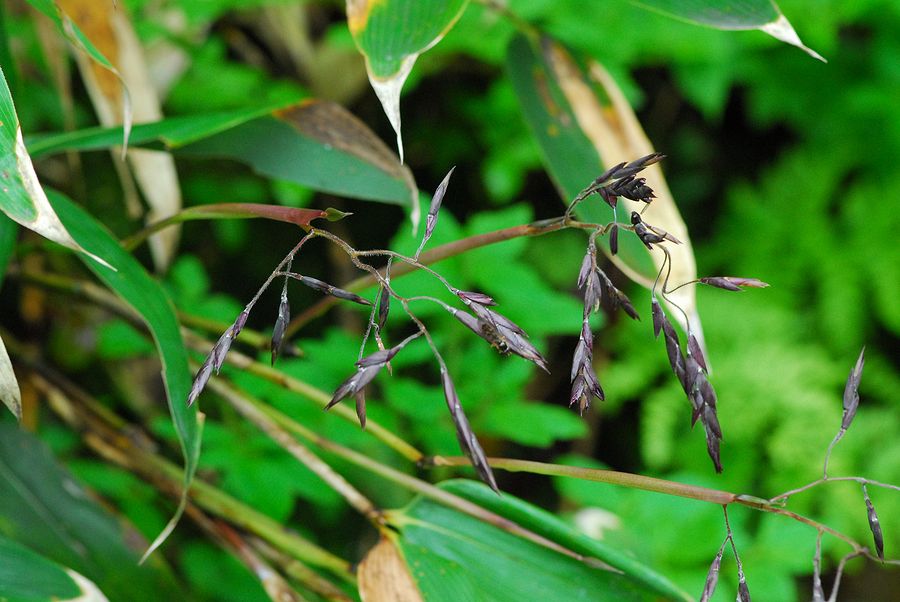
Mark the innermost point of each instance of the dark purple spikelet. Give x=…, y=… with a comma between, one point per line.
x=874, y=525
x=732, y=283
x=851, y=390
x=657, y=314
x=468, y=442
x=200, y=380
x=324, y=287
x=360, y=397
x=694, y=349
x=384, y=307
x=712, y=577
x=284, y=316
x=620, y=180
x=743, y=590
x=585, y=385
x=614, y=239
x=469, y=297
x=355, y=382
x=434, y=209
x=647, y=236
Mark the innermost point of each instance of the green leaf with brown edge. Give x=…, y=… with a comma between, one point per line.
x=733, y=15
x=137, y=288
x=391, y=34
x=28, y=576
x=583, y=126
x=452, y=555
x=21, y=196
x=44, y=508
x=315, y=143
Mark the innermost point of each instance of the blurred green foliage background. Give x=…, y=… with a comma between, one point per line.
x=784, y=169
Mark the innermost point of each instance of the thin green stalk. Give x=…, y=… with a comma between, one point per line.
x=252, y=412
x=406, y=481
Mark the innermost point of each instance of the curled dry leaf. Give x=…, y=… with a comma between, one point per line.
x=383, y=575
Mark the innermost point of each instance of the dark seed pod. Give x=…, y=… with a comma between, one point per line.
x=360, y=397
x=354, y=384
x=694, y=349
x=712, y=577
x=200, y=380
x=324, y=287
x=743, y=590
x=614, y=239
x=384, y=307
x=732, y=283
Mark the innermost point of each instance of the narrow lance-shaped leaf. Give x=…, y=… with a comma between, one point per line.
x=131, y=282
x=434, y=209
x=874, y=525
x=21, y=196
x=851, y=391
x=9, y=386
x=468, y=443
x=763, y=15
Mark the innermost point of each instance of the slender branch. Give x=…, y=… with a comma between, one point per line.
x=435, y=255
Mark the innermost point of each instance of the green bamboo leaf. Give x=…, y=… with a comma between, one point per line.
x=45, y=509
x=137, y=288
x=457, y=557
x=25, y=575
x=734, y=15
x=583, y=126
x=21, y=195
x=314, y=143
x=391, y=34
